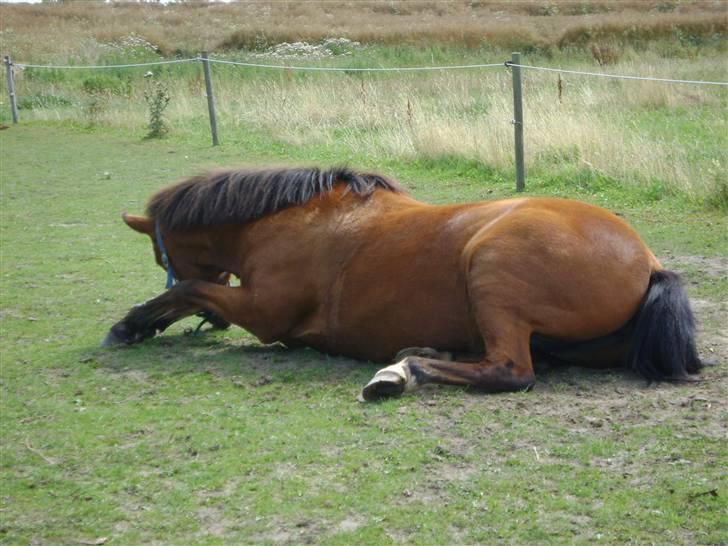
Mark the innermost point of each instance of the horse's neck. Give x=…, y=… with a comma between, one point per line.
x=300, y=228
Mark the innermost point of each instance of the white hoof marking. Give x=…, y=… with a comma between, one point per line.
x=390, y=381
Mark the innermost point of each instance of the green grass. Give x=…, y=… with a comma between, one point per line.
x=214, y=439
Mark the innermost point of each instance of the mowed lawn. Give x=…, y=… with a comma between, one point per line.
x=215, y=439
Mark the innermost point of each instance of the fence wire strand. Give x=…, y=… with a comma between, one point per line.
x=357, y=69
x=616, y=76
x=93, y=67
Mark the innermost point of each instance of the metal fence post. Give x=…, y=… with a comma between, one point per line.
x=210, y=97
x=11, y=88
x=518, y=121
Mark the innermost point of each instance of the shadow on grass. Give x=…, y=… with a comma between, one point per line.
x=237, y=356
x=556, y=377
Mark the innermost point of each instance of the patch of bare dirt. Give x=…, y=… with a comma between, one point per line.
x=714, y=266
x=212, y=521
x=211, y=512
x=10, y=313
x=711, y=318
x=301, y=532
x=351, y=523
x=133, y=375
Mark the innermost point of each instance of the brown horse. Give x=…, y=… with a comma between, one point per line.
x=349, y=264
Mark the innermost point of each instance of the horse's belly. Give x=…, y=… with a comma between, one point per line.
x=390, y=317
x=382, y=344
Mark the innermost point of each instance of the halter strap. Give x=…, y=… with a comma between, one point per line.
x=163, y=254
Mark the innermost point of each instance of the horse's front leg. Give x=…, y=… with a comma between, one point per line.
x=182, y=300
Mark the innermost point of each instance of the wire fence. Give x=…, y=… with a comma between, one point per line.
x=247, y=64
x=514, y=65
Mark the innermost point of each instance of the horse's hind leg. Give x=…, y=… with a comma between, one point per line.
x=506, y=366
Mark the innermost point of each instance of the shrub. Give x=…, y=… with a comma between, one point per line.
x=545, y=10
x=41, y=100
x=717, y=197
x=157, y=97
x=604, y=54
x=666, y=7
x=694, y=30
x=93, y=107
x=44, y=75
x=105, y=85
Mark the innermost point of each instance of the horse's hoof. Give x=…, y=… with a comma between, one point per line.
x=118, y=335
x=383, y=386
x=388, y=382
x=111, y=339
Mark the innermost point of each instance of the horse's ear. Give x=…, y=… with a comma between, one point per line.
x=142, y=224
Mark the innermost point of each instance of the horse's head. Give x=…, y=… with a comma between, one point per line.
x=187, y=255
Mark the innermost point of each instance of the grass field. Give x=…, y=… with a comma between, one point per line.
x=214, y=439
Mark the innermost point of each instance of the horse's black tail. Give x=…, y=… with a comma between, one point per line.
x=663, y=345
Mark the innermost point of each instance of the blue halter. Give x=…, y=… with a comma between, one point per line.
x=163, y=254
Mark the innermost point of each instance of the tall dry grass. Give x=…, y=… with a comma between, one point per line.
x=75, y=28
x=468, y=116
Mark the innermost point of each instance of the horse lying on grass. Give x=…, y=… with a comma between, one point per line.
x=349, y=264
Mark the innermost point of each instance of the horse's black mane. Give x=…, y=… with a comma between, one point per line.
x=239, y=196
